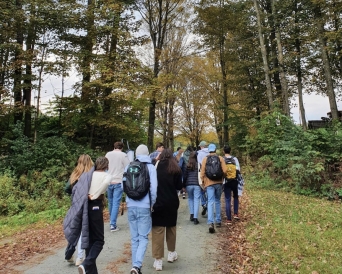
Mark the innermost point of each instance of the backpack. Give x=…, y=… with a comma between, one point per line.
x=136, y=183
x=213, y=169
x=231, y=168
x=186, y=155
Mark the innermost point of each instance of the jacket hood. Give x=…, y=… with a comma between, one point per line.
x=144, y=158
x=204, y=150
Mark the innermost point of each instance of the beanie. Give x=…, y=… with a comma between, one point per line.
x=141, y=150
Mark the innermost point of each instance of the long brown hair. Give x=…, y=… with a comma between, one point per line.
x=192, y=164
x=167, y=155
x=84, y=164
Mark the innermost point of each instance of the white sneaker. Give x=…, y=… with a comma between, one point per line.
x=79, y=261
x=158, y=264
x=172, y=256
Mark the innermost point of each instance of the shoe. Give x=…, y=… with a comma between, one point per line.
x=236, y=217
x=211, y=228
x=218, y=225
x=196, y=222
x=183, y=196
x=79, y=261
x=81, y=270
x=114, y=228
x=172, y=256
x=191, y=217
x=158, y=264
x=71, y=260
x=135, y=270
x=204, y=210
x=229, y=222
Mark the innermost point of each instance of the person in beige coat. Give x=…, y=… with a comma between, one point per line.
x=213, y=187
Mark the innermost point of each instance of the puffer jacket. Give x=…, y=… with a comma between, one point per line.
x=190, y=177
x=76, y=219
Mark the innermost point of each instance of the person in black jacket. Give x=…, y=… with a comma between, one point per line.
x=190, y=182
x=164, y=215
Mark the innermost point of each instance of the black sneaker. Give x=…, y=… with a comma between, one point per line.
x=183, y=195
x=196, y=222
x=135, y=270
x=191, y=217
x=204, y=210
x=211, y=228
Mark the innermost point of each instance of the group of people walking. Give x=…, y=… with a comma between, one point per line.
x=152, y=206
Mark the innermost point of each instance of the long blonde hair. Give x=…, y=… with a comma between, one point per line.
x=84, y=164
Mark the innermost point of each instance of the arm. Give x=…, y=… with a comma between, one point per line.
x=223, y=165
x=154, y=183
x=204, y=162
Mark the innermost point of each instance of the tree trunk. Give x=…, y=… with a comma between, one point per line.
x=326, y=62
x=264, y=57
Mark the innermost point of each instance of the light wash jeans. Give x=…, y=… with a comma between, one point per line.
x=204, y=199
x=214, y=197
x=114, y=193
x=80, y=251
x=140, y=224
x=194, y=196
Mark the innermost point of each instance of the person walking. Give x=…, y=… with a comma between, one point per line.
x=201, y=154
x=139, y=211
x=190, y=182
x=118, y=160
x=212, y=172
x=98, y=186
x=164, y=215
x=155, y=154
x=84, y=164
x=231, y=185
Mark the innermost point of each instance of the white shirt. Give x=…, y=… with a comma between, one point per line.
x=99, y=184
x=118, y=160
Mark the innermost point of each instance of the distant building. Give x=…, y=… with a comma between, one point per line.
x=324, y=122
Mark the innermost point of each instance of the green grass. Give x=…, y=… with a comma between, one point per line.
x=17, y=223
x=294, y=234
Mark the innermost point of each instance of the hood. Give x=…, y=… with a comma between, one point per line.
x=204, y=150
x=144, y=158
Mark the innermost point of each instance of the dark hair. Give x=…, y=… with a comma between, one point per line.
x=167, y=155
x=227, y=149
x=189, y=148
x=192, y=164
x=159, y=144
x=178, y=148
x=118, y=145
x=101, y=163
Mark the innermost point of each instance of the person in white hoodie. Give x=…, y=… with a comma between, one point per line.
x=139, y=212
x=201, y=154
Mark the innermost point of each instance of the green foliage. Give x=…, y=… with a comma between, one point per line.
x=297, y=160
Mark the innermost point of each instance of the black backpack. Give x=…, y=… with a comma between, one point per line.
x=136, y=180
x=213, y=169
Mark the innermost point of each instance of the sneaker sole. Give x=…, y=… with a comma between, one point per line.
x=211, y=230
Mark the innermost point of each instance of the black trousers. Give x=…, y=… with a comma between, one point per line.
x=96, y=235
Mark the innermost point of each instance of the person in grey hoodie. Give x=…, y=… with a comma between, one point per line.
x=201, y=154
x=139, y=212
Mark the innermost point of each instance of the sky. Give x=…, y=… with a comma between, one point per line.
x=316, y=106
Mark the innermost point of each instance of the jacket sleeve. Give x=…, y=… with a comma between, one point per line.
x=154, y=183
x=204, y=161
x=223, y=165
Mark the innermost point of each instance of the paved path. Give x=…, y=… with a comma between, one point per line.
x=195, y=247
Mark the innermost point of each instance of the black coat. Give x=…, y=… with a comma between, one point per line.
x=167, y=203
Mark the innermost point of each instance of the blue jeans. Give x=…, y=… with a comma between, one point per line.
x=114, y=193
x=214, y=197
x=194, y=196
x=228, y=188
x=204, y=199
x=140, y=224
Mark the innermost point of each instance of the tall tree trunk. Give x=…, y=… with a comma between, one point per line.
x=224, y=92
x=326, y=62
x=18, y=114
x=264, y=57
x=284, y=86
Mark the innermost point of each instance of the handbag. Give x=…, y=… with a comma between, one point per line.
x=69, y=251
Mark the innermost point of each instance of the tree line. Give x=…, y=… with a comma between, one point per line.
x=164, y=69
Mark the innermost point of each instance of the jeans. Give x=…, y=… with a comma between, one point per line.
x=140, y=224
x=228, y=188
x=214, y=198
x=114, y=193
x=204, y=199
x=96, y=235
x=80, y=251
x=194, y=196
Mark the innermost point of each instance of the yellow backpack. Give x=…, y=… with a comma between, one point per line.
x=231, y=173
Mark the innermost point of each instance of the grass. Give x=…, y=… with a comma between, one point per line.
x=18, y=223
x=294, y=234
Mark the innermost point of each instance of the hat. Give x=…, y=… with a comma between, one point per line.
x=141, y=150
x=211, y=148
x=202, y=143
